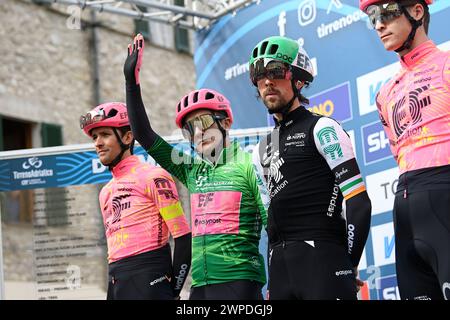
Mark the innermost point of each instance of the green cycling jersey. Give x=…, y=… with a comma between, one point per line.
x=227, y=212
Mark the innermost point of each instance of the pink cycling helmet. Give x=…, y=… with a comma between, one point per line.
x=202, y=99
x=363, y=4
x=111, y=114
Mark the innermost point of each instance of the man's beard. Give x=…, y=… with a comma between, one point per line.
x=276, y=107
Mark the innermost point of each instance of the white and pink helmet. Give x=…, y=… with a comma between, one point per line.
x=363, y=4
x=111, y=114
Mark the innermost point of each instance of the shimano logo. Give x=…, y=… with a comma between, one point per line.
x=343, y=272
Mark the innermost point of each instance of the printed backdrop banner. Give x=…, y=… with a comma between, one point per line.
x=350, y=66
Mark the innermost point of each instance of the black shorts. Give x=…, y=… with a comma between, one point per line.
x=142, y=277
x=232, y=290
x=422, y=234
x=311, y=270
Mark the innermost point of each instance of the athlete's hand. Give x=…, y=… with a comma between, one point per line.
x=133, y=62
x=359, y=282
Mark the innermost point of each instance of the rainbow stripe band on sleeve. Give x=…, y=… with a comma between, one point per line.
x=353, y=186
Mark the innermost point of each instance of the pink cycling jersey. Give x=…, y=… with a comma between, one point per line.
x=140, y=206
x=414, y=109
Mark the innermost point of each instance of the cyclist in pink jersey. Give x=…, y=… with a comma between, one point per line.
x=414, y=110
x=139, y=206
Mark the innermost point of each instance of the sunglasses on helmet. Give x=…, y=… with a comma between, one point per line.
x=92, y=117
x=384, y=12
x=273, y=70
x=202, y=122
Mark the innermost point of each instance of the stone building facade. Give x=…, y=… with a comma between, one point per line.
x=47, y=76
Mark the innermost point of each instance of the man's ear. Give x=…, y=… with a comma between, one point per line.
x=299, y=84
x=416, y=11
x=226, y=123
x=127, y=137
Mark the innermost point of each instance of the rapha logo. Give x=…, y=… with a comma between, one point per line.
x=341, y=173
x=32, y=162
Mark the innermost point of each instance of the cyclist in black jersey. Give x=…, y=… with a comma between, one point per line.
x=309, y=166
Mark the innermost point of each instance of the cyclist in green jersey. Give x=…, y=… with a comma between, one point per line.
x=227, y=209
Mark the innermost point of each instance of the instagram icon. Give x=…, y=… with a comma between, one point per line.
x=306, y=12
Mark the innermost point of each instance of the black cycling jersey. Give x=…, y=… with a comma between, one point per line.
x=309, y=166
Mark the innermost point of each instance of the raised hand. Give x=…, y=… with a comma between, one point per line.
x=133, y=62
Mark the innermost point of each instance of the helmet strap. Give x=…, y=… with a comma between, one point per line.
x=123, y=147
x=414, y=24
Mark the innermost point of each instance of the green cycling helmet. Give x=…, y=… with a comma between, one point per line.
x=285, y=50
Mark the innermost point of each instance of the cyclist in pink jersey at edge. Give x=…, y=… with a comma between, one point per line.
x=414, y=108
x=139, y=206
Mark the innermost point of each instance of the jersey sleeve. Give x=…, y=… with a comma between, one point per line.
x=171, y=159
x=334, y=144
x=165, y=195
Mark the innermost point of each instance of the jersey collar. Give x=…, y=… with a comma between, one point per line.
x=291, y=117
x=413, y=57
x=124, y=166
x=226, y=155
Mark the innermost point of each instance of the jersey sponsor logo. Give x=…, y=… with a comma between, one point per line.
x=204, y=199
x=168, y=194
x=325, y=103
x=275, y=184
x=118, y=205
x=427, y=79
x=296, y=136
x=408, y=110
x=215, y=212
x=329, y=141
x=181, y=276
x=200, y=181
x=333, y=201
x=125, y=189
x=275, y=167
x=375, y=143
x=350, y=237
x=296, y=139
x=159, y=280
x=341, y=173
x=162, y=183
x=343, y=272
x=198, y=222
